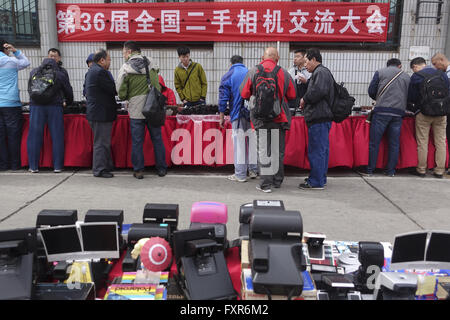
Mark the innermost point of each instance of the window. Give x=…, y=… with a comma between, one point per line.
x=19, y=22
x=393, y=37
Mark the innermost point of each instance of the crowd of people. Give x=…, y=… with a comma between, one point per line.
x=259, y=102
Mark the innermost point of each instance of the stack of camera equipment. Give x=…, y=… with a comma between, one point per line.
x=52, y=218
x=159, y=220
x=349, y=286
x=205, y=214
x=17, y=253
x=246, y=212
x=275, y=250
x=371, y=257
x=102, y=268
x=200, y=109
x=77, y=107
x=202, y=272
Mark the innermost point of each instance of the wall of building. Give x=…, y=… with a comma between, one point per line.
x=355, y=68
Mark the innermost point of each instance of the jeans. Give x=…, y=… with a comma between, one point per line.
x=271, y=147
x=53, y=116
x=137, y=147
x=379, y=124
x=318, y=153
x=11, y=121
x=244, y=143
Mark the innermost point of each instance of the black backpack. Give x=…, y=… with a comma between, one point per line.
x=342, y=104
x=267, y=104
x=434, y=95
x=41, y=86
x=154, y=109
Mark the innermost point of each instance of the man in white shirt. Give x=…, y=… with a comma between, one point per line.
x=300, y=76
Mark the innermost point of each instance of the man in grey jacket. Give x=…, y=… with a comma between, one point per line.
x=389, y=87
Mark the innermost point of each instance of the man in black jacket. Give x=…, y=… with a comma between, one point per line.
x=101, y=112
x=318, y=117
x=51, y=113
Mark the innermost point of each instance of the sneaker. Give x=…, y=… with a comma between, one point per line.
x=162, y=172
x=389, y=174
x=265, y=190
x=364, y=173
x=138, y=175
x=439, y=176
x=252, y=174
x=33, y=171
x=234, y=178
x=306, y=181
x=416, y=173
x=307, y=186
x=57, y=170
x=104, y=174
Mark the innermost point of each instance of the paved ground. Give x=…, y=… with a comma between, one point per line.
x=351, y=207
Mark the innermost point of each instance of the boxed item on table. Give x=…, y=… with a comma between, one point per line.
x=309, y=290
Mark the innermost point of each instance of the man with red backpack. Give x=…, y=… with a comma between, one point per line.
x=269, y=87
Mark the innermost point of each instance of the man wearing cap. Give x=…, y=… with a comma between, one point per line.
x=89, y=62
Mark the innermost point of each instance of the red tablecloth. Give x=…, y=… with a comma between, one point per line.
x=202, y=142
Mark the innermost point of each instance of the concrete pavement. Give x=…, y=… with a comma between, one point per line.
x=350, y=208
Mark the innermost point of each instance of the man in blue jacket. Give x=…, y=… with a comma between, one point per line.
x=101, y=112
x=52, y=114
x=10, y=106
x=427, y=117
x=229, y=95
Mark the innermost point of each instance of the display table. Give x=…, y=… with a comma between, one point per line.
x=240, y=273
x=198, y=140
x=231, y=255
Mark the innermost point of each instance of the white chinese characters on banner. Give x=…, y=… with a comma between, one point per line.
x=196, y=15
x=66, y=22
x=299, y=24
x=350, y=23
x=324, y=21
x=272, y=21
x=145, y=23
x=269, y=21
x=119, y=22
x=249, y=20
x=221, y=18
x=170, y=21
x=375, y=22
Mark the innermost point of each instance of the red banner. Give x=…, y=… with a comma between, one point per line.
x=224, y=21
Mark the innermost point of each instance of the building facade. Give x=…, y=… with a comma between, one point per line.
x=419, y=27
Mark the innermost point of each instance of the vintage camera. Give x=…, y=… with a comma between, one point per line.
x=395, y=286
